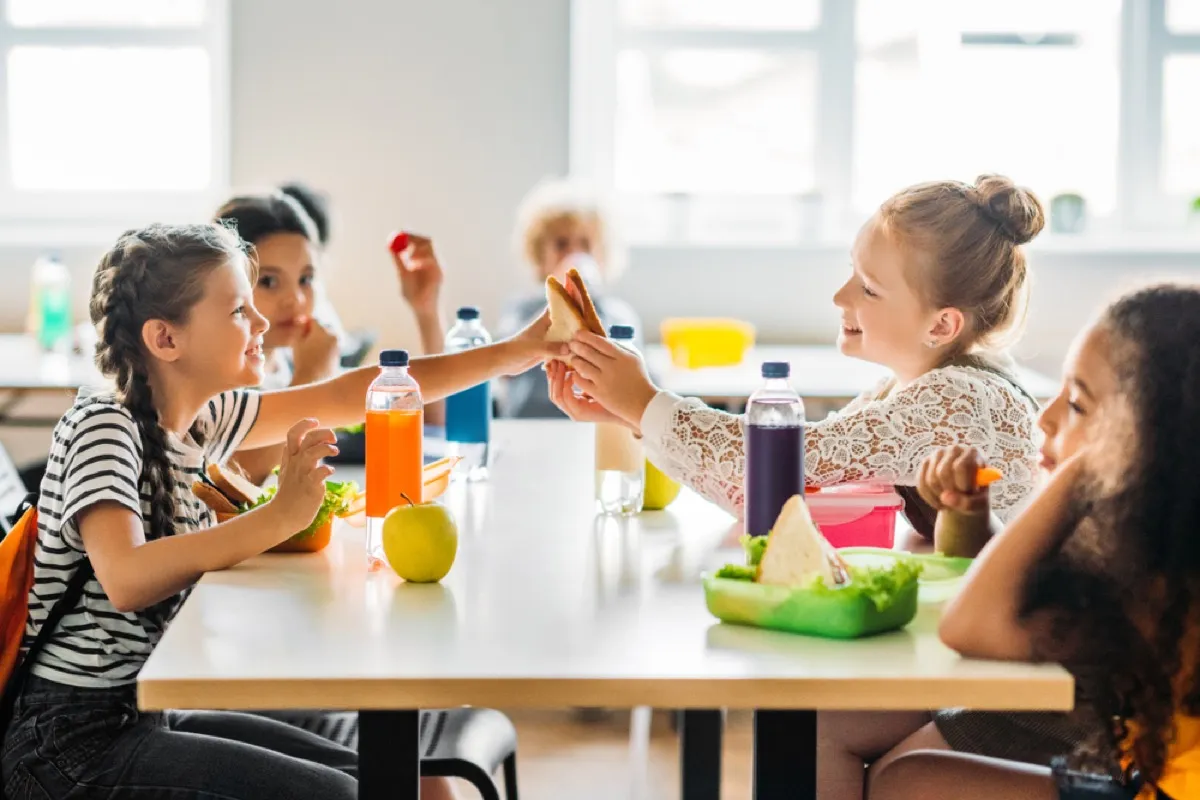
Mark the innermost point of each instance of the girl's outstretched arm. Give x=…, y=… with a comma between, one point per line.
x=341, y=401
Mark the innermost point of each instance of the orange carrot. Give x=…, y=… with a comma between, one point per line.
x=986, y=476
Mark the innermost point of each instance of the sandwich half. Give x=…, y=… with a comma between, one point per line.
x=566, y=314
x=796, y=552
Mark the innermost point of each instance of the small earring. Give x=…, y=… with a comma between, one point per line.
x=932, y=343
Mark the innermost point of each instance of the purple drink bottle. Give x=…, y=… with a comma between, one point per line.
x=774, y=448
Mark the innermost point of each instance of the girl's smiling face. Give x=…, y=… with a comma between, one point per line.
x=884, y=318
x=221, y=341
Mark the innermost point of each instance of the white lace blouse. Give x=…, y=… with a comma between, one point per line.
x=876, y=438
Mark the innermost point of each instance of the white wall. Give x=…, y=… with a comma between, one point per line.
x=436, y=116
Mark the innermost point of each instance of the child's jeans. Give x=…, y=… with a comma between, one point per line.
x=94, y=743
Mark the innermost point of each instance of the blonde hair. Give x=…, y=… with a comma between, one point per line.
x=969, y=239
x=555, y=201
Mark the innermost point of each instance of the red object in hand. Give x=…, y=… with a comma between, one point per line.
x=399, y=242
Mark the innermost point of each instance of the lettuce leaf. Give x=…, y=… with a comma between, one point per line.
x=881, y=585
x=338, y=496
x=737, y=572
x=754, y=547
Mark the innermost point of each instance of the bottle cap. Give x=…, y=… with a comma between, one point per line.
x=620, y=332
x=776, y=369
x=393, y=358
x=468, y=313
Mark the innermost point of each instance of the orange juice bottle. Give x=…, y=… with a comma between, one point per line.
x=395, y=423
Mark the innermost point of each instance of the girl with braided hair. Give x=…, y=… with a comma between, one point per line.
x=178, y=334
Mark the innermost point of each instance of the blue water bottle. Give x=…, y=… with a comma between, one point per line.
x=469, y=413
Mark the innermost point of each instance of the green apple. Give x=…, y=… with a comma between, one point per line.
x=420, y=541
x=660, y=491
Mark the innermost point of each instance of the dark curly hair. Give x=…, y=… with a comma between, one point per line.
x=1120, y=591
x=152, y=273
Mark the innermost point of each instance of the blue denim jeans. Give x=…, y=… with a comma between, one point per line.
x=66, y=743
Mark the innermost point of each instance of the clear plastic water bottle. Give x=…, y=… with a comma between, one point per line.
x=774, y=448
x=620, y=459
x=469, y=412
x=395, y=444
x=50, y=305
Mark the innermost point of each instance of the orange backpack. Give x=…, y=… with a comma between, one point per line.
x=16, y=568
x=16, y=565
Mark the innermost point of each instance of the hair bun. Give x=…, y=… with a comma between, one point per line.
x=1016, y=210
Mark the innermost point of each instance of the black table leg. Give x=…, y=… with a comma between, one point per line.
x=785, y=755
x=389, y=756
x=700, y=754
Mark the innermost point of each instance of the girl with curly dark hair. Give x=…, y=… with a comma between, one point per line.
x=1102, y=572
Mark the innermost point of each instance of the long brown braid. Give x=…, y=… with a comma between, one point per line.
x=152, y=273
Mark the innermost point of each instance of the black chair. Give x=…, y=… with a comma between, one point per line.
x=467, y=743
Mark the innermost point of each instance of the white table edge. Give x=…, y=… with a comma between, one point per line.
x=1054, y=692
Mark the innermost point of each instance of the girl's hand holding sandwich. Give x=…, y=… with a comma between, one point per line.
x=302, y=475
x=592, y=363
x=612, y=376
x=580, y=408
x=529, y=347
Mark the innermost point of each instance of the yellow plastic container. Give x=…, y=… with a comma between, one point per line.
x=695, y=343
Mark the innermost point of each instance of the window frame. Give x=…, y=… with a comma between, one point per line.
x=86, y=215
x=1148, y=18
x=1143, y=206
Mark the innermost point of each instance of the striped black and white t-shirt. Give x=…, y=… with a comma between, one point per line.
x=96, y=456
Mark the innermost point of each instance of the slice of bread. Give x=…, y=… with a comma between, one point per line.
x=233, y=484
x=565, y=316
x=796, y=551
x=212, y=497
x=587, y=309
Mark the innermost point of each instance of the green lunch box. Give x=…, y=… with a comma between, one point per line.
x=817, y=611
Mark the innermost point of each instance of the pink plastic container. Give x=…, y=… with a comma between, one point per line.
x=856, y=515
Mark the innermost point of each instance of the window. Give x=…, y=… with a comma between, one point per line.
x=1029, y=89
x=114, y=111
x=1179, y=169
x=786, y=121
